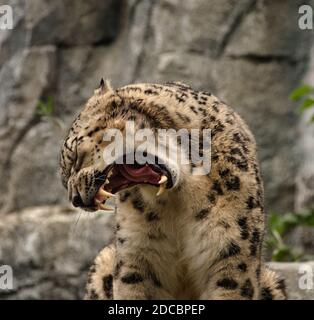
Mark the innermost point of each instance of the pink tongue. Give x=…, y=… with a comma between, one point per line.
x=142, y=174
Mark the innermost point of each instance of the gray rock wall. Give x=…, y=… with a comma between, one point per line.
x=50, y=249
x=250, y=53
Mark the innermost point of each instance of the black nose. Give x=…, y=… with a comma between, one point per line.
x=77, y=201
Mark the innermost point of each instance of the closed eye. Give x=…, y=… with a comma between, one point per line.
x=79, y=161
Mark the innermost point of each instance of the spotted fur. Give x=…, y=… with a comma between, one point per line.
x=201, y=239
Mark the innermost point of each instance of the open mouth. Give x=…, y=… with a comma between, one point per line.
x=122, y=176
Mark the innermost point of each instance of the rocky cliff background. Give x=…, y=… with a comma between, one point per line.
x=250, y=53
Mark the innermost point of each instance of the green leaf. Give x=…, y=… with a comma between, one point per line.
x=300, y=92
x=279, y=226
x=289, y=221
x=308, y=218
x=273, y=220
x=271, y=242
x=45, y=108
x=306, y=104
x=281, y=254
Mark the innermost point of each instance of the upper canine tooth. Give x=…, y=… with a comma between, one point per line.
x=162, y=180
x=109, y=173
x=105, y=193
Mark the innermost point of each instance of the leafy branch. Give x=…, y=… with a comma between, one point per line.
x=281, y=225
x=45, y=109
x=305, y=95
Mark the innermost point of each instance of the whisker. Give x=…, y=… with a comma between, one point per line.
x=73, y=231
x=102, y=175
x=101, y=179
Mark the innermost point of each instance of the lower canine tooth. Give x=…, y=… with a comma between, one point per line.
x=161, y=190
x=105, y=207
